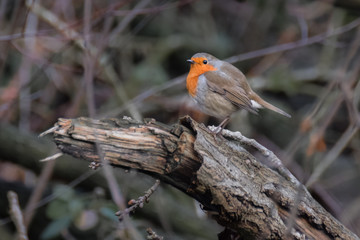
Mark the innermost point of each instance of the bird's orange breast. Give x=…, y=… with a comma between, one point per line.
x=196, y=69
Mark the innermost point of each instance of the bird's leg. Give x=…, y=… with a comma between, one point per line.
x=221, y=126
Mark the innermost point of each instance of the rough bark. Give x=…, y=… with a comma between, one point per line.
x=250, y=199
x=26, y=149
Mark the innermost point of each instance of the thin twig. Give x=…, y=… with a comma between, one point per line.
x=294, y=45
x=53, y=157
x=53, y=196
x=152, y=10
x=37, y=193
x=50, y=130
x=139, y=202
x=92, y=50
x=16, y=215
x=127, y=19
x=152, y=235
x=345, y=83
x=332, y=155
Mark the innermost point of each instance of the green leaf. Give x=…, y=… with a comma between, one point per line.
x=55, y=227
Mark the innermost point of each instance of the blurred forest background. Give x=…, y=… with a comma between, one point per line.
x=116, y=58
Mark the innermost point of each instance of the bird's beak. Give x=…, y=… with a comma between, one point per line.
x=190, y=61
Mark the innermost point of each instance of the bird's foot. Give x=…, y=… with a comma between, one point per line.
x=217, y=133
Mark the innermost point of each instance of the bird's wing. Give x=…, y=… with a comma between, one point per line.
x=223, y=84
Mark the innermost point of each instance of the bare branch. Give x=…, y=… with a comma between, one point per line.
x=293, y=45
x=152, y=235
x=16, y=215
x=139, y=202
x=248, y=198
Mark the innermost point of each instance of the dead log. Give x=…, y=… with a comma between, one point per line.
x=250, y=199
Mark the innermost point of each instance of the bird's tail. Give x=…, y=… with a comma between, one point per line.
x=263, y=103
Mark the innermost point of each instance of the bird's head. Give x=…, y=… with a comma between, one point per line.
x=201, y=63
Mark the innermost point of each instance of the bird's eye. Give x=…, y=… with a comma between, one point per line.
x=205, y=61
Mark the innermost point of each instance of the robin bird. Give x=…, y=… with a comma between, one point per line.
x=220, y=89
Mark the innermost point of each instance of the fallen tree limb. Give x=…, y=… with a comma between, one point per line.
x=251, y=200
x=26, y=149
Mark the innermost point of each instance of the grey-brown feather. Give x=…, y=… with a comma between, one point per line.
x=222, y=82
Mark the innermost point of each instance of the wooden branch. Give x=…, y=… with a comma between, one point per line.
x=26, y=150
x=17, y=216
x=248, y=198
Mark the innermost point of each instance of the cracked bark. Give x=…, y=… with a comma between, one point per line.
x=251, y=200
